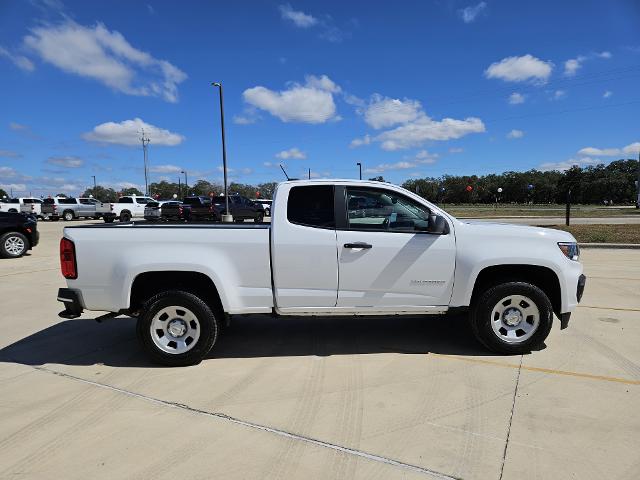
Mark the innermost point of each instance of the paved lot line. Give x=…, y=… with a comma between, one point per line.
x=539, y=369
x=257, y=426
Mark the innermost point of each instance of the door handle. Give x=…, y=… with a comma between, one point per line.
x=357, y=245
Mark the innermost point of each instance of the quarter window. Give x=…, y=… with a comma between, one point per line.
x=384, y=210
x=312, y=206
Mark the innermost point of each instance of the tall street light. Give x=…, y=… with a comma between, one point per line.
x=94, y=186
x=227, y=217
x=145, y=141
x=186, y=183
x=360, y=167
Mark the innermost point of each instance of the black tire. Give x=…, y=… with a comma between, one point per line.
x=125, y=216
x=259, y=218
x=481, y=318
x=10, y=245
x=67, y=215
x=208, y=328
x=108, y=219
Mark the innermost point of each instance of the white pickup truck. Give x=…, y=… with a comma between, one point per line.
x=128, y=207
x=339, y=247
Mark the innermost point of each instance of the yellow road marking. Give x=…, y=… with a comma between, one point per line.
x=539, y=369
x=611, y=308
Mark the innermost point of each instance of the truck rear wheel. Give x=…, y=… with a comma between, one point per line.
x=125, y=216
x=177, y=328
x=512, y=318
x=68, y=215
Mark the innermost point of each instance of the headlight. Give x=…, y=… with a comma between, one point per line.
x=570, y=249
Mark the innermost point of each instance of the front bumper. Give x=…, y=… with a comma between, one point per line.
x=565, y=317
x=72, y=303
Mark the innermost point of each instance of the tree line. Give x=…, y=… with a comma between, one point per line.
x=596, y=184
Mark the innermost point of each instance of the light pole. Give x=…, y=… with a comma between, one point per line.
x=94, y=186
x=179, y=187
x=227, y=217
x=145, y=141
x=360, y=167
x=186, y=183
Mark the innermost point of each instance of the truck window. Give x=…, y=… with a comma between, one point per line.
x=312, y=205
x=67, y=201
x=384, y=210
x=125, y=200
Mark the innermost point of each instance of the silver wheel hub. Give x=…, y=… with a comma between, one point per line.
x=175, y=329
x=512, y=317
x=515, y=318
x=14, y=245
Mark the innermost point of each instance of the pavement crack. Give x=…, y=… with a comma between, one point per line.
x=264, y=428
x=513, y=407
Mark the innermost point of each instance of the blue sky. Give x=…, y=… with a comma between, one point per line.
x=410, y=89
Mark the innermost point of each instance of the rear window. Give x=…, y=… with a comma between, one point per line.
x=153, y=204
x=192, y=201
x=125, y=200
x=49, y=201
x=312, y=205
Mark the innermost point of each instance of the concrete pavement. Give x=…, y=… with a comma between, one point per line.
x=401, y=397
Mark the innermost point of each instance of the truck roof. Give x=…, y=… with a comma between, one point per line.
x=338, y=181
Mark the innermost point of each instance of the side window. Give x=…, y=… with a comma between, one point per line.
x=27, y=200
x=312, y=206
x=68, y=201
x=384, y=210
x=125, y=200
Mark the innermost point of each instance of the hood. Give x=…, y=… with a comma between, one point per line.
x=516, y=231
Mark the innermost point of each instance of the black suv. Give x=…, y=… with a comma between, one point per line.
x=18, y=233
x=241, y=208
x=191, y=208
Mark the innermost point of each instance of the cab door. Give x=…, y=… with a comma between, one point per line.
x=303, y=249
x=387, y=259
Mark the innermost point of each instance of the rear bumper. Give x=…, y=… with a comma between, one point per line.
x=35, y=238
x=72, y=303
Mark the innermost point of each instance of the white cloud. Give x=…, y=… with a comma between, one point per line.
x=456, y=150
x=298, y=18
x=67, y=161
x=605, y=55
x=559, y=94
x=165, y=169
x=520, y=69
x=309, y=103
x=516, y=98
x=292, y=153
x=425, y=157
x=17, y=127
x=358, y=142
x=19, y=61
x=567, y=164
x=414, y=134
x=631, y=149
x=9, y=154
x=390, y=166
x=243, y=120
x=128, y=133
x=607, y=94
x=383, y=112
x=470, y=13
x=515, y=134
x=106, y=56
x=572, y=65
x=16, y=187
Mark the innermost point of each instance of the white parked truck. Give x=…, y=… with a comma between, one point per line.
x=333, y=247
x=128, y=207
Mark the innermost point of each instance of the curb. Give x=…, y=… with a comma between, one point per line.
x=610, y=245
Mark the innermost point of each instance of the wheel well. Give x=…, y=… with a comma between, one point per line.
x=125, y=211
x=148, y=284
x=542, y=277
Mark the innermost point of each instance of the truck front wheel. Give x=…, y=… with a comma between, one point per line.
x=512, y=318
x=177, y=328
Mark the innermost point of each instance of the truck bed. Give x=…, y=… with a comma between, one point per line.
x=234, y=255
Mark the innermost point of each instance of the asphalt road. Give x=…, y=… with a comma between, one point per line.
x=399, y=397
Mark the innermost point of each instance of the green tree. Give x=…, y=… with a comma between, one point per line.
x=101, y=193
x=130, y=191
x=379, y=178
x=3, y=194
x=165, y=190
x=267, y=189
x=245, y=190
x=206, y=188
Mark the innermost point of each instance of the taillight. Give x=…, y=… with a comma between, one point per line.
x=55, y=207
x=68, y=259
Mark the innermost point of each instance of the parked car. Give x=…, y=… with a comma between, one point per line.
x=100, y=208
x=28, y=205
x=192, y=208
x=31, y=206
x=405, y=256
x=241, y=208
x=128, y=207
x=266, y=204
x=153, y=210
x=67, y=208
x=18, y=234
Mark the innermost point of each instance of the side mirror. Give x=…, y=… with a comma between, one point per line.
x=437, y=224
